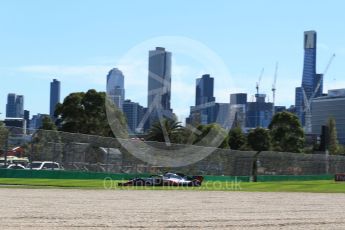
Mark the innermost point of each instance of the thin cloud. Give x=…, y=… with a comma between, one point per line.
x=91, y=73
x=183, y=82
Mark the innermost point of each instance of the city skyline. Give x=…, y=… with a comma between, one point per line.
x=26, y=68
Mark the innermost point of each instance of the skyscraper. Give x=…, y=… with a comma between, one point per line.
x=330, y=106
x=238, y=107
x=134, y=113
x=27, y=118
x=15, y=106
x=259, y=113
x=204, y=99
x=11, y=110
x=205, y=109
x=310, y=78
x=309, y=66
x=55, y=87
x=115, y=87
x=222, y=115
x=20, y=106
x=204, y=90
x=159, y=86
x=159, y=80
x=299, y=104
x=238, y=98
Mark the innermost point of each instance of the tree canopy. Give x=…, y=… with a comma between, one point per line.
x=237, y=139
x=259, y=139
x=211, y=135
x=3, y=135
x=165, y=130
x=48, y=124
x=333, y=144
x=86, y=113
x=287, y=133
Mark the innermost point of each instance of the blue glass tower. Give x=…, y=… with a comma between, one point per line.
x=204, y=99
x=309, y=78
x=204, y=90
x=206, y=109
x=309, y=68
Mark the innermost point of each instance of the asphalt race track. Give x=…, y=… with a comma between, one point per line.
x=114, y=209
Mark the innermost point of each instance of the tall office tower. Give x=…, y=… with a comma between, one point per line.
x=238, y=107
x=238, y=98
x=204, y=99
x=222, y=115
x=310, y=78
x=55, y=87
x=204, y=90
x=27, y=118
x=319, y=78
x=205, y=110
x=159, y=79
x=259, y=113
x=159, y=86
x=134, y=113
x=11, y=110
x=299, y=104
x=15, y=106
x=36, y=121
x=115, y=87
x=20, y=106
x=309, y=66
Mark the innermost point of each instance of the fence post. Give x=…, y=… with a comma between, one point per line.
x=6, y=148
x=327, y=161
x=107, y=162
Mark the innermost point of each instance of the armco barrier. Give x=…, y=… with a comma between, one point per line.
x=62, y=174
x=268, y=178
x=46, y=174
x=227, y=178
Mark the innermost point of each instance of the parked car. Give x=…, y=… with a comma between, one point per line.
x=44, y=165
x=14, y=160
x=15, y=166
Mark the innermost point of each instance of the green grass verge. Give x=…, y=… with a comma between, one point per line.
x=322, y=186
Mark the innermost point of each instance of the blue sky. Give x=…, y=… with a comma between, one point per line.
x=78, y=42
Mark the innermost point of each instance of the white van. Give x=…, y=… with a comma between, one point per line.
x=44, y=165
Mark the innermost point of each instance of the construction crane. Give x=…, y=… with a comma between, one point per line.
x=258, y=83
x=274, y=87
x=323, y=74
x=307, y=102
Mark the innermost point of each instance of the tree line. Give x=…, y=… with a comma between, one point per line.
x=284, y=134
x=86, y=113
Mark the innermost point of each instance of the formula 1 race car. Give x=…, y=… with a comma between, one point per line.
x=167, y=179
